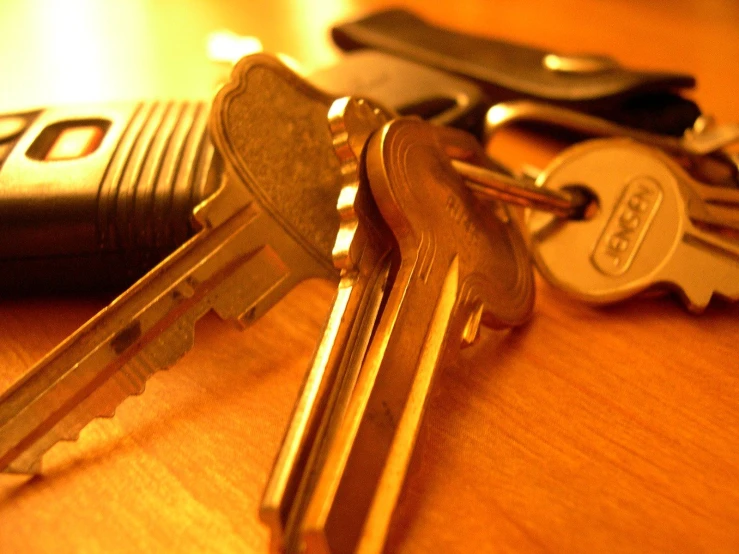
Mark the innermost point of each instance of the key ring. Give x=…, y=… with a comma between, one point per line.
x=573, y=203
x=702, y=148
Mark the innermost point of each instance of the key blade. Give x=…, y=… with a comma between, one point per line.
x=718, y=263
x=147, y=328
x=716, y=206
x=380, y=486
x=323, y=400
x=705, y=263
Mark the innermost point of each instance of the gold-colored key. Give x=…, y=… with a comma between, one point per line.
x=271, y=225
x=454, y=263
x=363, y=251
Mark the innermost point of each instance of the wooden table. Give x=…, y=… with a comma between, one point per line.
x=588, y=430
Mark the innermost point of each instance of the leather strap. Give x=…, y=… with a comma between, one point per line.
x=593, y=84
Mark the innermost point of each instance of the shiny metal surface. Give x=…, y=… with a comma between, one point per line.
x=366, y=252
x=702, y=149
x=589, y=430
x=578, y=63
x=247, y=256
x=490, y=184
x=459, y=267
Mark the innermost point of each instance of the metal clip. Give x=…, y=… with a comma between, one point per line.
x=485, y=183
x=701, y=149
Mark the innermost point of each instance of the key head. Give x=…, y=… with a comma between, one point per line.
x=435, y=219
x=291, y=169
x=640, y=236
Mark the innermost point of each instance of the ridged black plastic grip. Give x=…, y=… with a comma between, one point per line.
x=101, y=220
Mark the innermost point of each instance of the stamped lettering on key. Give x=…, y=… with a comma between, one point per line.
x=625, y=231
x=643, y=233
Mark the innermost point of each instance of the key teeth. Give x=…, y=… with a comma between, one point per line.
x=697, y=304
x=697, y=296
x=29, y=464
x=129, y=380
x=351, y=121
x=32, y=468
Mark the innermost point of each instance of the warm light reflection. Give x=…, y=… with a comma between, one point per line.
x=74, y=43
x=311, y=22
x=67, y=51
x=64, y=51
x=227, y=47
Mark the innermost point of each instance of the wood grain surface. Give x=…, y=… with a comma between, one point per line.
x=588, y=430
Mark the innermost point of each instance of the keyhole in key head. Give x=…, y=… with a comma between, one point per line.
x=585, y=199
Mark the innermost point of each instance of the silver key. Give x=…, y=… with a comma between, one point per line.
x=640, y=237
x=271, y=225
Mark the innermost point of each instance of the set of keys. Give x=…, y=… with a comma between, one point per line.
x=420, y=261
x=647, y=195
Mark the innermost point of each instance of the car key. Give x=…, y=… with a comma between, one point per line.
x=271, y=224
x=642, y=235
x=456, y=264
x=93, y=196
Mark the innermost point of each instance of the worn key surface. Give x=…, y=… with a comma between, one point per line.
x=458, y=263
x=271, y=225
x=640, y=237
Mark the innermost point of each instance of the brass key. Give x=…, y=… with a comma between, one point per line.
x=455, y=263
x=269, y=127
x=363, y=252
